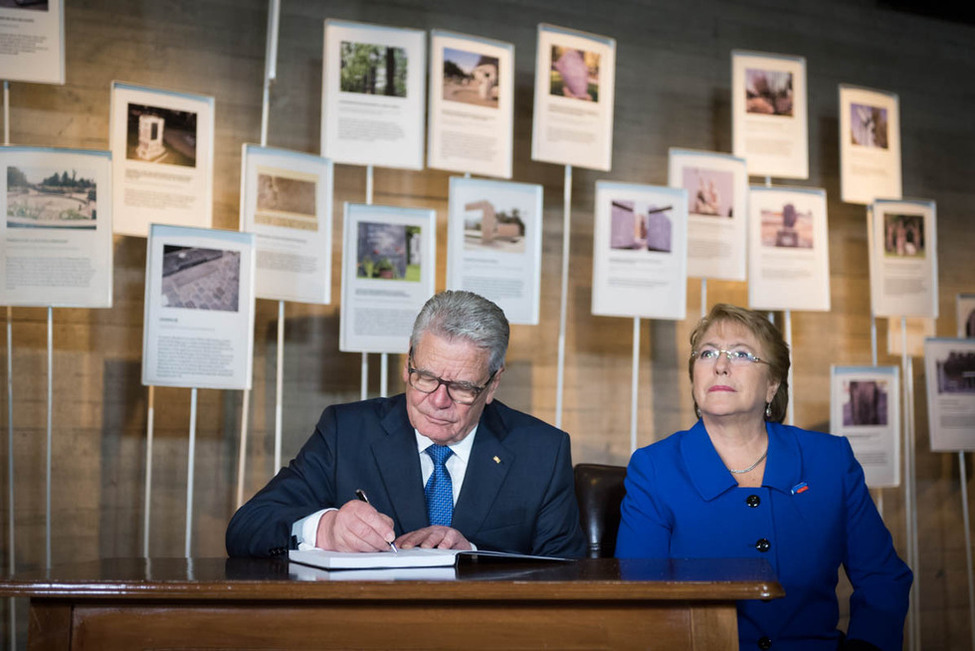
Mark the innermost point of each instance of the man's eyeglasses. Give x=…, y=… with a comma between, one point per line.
x=737, y=357
x=463, y=393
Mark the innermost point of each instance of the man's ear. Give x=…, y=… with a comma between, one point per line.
x=493, y=386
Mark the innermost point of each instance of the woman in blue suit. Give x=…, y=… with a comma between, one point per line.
x=741, y=484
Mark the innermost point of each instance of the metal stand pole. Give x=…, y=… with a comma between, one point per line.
x=190, y=465
x=634, y=384
x=910, y=511
x=364, y=380
x=150, y=425
x=10, y=404
x=704, y=297
x=50, y=440
x=563, y=307
x=11, y=565
x=963, y=479
x=279, y=389
x=270, y=74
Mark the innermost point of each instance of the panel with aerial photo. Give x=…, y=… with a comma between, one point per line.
x=575, y=73
x=200, y=279
x=50, y=198
x=161, y=135
x=470, y=77
x=373, y=69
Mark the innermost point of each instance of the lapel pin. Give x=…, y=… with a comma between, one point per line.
x=801, y=487
x=496, y=459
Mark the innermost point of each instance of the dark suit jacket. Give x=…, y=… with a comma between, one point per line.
x=518, y=493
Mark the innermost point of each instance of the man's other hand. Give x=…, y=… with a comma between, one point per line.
x=435, y=536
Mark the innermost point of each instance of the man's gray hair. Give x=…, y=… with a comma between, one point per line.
x=456, y=314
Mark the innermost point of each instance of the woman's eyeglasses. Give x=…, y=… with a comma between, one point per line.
x=737, y=357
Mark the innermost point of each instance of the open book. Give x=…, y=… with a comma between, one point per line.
x=415, y=557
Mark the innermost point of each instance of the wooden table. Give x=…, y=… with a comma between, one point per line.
x=263, y=604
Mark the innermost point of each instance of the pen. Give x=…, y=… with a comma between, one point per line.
x=361, y=496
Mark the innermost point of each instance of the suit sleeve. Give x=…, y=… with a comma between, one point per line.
x=881, y=580
x=557, y=529
x=262, y=526
x=644, y=529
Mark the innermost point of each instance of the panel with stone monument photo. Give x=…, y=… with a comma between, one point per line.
x=160, y=135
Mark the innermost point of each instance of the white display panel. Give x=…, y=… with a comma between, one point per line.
x=286, y=201
x=32, y=37
x=162, y=147
x=199, y=308
x=494, y=244
x=472, y=90
x=949, y=369
x=865, y=408
x=373, y=94
x=870, y=145
x=717, y=211
x=56, y=239
x=904, y=258
x=388, y=266
x=769, y=119
x=788, y=252
x=575, y=79
x=640, y=251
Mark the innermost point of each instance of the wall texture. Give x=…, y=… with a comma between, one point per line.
x=673, y=89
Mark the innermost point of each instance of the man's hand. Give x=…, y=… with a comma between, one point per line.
x=356, y=527
x=435, y=536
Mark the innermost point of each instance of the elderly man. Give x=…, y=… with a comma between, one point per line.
x=443, y=465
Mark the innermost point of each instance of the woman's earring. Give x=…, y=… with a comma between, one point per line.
x=768, y=410
x=697, y=410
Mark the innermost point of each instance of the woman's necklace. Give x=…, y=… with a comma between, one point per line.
x=751, y=467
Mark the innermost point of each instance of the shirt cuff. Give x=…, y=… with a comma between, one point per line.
x=305, y=530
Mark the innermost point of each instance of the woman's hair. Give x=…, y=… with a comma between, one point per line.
x=774, y=350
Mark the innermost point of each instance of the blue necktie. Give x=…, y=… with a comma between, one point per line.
x=439, y=490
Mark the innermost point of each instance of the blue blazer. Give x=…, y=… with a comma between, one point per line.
x=812, y=514
x=518, y=493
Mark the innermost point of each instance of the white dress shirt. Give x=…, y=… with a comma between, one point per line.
x=306, y=529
